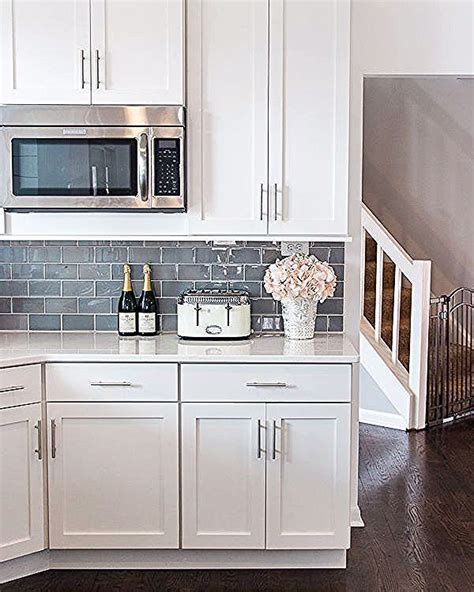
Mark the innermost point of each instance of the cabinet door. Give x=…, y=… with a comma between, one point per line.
x=227, y=116
x=308, y=476
x=223, y=480
x=44, y=52
x=137, y=51
x=113, y=475
x=21, y=482
x=309, y=114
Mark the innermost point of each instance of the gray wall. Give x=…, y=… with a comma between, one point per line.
x=418, y=171
x=74, y=286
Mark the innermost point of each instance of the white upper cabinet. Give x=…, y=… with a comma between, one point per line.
x=44, y=52
x=113, y=475
x=137, y=51
x=227, y=116
x=308, y=476
x=309, y=114
x=223, y=476
x=99, y=51
x=21, y=482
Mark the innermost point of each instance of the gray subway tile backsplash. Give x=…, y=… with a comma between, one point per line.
x=75, y=285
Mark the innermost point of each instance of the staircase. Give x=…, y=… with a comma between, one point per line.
x=394, y=325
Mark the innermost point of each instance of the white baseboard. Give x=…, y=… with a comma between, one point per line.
x=356, y=517
x=24, y=566
x=379, y=418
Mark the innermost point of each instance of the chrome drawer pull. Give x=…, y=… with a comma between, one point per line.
x=39, y=450
x=274, y=438
x=260, y=426
x=111, y=383
x=11, y=389
x=267, y=384
x=53, y=438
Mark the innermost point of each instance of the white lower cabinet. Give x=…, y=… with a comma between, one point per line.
x=308, y=476
x=223, y=479
x=113, y=475
x=274, y=476
x=21, y=482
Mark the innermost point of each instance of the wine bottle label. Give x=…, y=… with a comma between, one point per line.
x=127, y=322
x=146, y=322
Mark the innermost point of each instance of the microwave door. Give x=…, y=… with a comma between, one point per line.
x=77, y=168
x=167, y=169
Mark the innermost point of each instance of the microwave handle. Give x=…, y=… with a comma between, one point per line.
x=143, y=167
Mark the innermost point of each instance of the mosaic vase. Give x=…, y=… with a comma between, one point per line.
x=299, y=317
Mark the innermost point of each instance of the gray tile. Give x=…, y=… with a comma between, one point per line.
x=211, y=285
x=145, y=255
x=30, y=271
x=9, y=322
x=61, y=243
x=169, y=323
x=256, y=323
x=339, y=271
x=321, y=253
x=28, y=305
x=264, y=306
x=78, y=254
x=227, y=272
x=5, y=305
x=106, y=323
x=166, y=272
x=255, y=272
x=61, y=305
x=270, y=255
x=339, y=291
x=336, y=256
x=13, y=288
x=44, y=254
x=167, y=306
x=78, y=288
x=253, y=288
x=207, y=255
x=44, y=288
x=6, y=271
x=44, y=322
x=321, y=325
x=95, y=271
x=194, y=272
x=177, y=255
x=244, y=255
x=120, y=243
x=158, y=243
x=191, y=243
x=336, y=324
x=93, y=243
x=109, y=288
x=13, y=254
x=94, y=305
x=61, y=271
x=175, y=288
x=111, y=254
x=332, y=306
x=78, y=322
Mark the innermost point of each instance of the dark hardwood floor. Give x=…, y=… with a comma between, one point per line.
x=417, y=498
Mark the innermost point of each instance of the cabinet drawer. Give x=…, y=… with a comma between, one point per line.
x=266, y=382
x=20, y=385
x=111, y=382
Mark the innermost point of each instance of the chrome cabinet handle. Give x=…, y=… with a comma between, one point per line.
x=39, y=450
x=262, y=191
x=275, y=213
x=11, y=389
x=260, y=426
x=111, y=383
x=143, y=166
x=97, y=68
x=53, y=438
x=267, y=384
x=274, y=436
x=83, y=80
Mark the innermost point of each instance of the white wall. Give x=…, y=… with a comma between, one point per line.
x=397, y=37
x=419, y=170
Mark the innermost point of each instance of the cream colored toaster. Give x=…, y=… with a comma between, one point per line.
x=214, y=314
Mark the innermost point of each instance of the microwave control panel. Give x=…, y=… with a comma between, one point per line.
x=167, y=165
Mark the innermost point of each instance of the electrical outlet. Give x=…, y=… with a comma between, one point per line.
x=294, y=247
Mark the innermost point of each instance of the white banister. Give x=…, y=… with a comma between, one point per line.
x=418, y=273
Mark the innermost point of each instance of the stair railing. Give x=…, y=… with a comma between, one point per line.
x=418, y=274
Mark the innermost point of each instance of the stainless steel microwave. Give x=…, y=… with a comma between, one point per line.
x=92, y=157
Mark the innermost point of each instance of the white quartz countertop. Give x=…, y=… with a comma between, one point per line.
x=27, y=348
